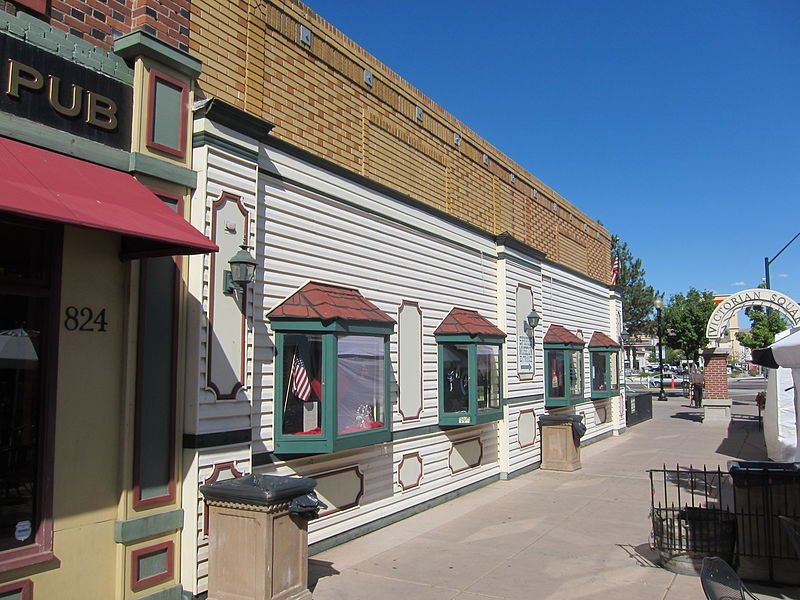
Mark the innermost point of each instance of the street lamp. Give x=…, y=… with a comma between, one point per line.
x=659, y=304
x=769, y=261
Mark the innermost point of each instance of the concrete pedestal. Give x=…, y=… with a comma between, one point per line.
x=559, y=450
x=257, y=553
x=717, y=411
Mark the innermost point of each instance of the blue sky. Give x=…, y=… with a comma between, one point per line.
x=675, y=123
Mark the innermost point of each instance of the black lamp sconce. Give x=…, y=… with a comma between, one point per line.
x=241, y=273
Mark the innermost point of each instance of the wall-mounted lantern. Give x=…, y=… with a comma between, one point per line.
x=532, y=320
x=242, y=272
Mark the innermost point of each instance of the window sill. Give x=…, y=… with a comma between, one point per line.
x=466, y=419
x=304, y=445
x=559, y=402
x=601, y=395
x=24, y=557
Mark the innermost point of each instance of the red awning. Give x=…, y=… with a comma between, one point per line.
x=45, y=185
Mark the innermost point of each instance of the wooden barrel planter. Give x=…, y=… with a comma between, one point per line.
x=684, y=536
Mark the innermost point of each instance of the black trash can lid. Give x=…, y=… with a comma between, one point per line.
x=560, y=419
x=258, y=490
x=745, y=472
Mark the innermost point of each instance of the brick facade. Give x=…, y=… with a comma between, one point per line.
x=716, y=376
x=102, y=21
x=316, y=94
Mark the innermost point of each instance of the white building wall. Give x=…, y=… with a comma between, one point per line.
x=307, y=224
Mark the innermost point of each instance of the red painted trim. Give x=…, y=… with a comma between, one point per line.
x=170, y=496
x=24, y=587
x=522, y=412
x=41, y=550
x=139, y=584
x=400, y=466
x=218, y=468
x=452, y=449
x=357, y=500
x=405, y=418
x=223, y=199
x=155, y=75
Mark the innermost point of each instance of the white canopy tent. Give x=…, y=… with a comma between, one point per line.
x=782, y=427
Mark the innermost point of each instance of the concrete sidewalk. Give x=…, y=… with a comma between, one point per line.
x=547, y=534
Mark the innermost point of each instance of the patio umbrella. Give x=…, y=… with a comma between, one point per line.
x=784, y=353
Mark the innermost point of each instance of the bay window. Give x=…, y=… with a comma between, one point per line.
x=563, y=356
x=470, y=369
x=331, y=374
x=604, y=354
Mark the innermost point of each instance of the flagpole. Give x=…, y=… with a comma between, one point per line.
x=289, y=382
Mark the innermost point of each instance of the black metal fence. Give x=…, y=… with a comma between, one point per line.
x=733, y=515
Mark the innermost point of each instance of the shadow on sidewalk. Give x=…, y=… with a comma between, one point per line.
x=643, y=554
x=317, y=569
x=689, y=416
x=745, y=440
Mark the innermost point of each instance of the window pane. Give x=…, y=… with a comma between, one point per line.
x=361, y=393
x=614, y=356
x=456, y=377
x=488, y=377
x=302, y=384
x=21, y=332
x=555, y=373
x=576, y=376
x=598, y=371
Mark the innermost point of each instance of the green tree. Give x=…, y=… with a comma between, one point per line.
x=764, y=325
x=685, y=320
x=637, y=296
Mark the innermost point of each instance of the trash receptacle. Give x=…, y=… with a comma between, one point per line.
x=561, y=441
x=763, y=491
x=258, y=537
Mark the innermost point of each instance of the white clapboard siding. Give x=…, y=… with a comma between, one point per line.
x=308, y=224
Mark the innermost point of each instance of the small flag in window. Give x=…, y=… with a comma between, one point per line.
x=615, y=271
x=301, y=386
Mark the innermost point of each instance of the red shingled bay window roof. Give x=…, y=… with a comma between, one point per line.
x=319, y=301
x=461, y=321
x=601, y=340
x=45, y=185
x=558, y=334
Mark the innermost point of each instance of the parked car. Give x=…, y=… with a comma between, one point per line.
x=654, y=381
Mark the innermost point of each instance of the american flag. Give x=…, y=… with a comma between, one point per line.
x=301, y=386
x=615, y=270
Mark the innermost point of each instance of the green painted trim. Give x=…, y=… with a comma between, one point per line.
x=330, y=440
x=139, y=43
x=316, y=325
x=143, y=527
x=509, y=241
x=470, y=339
x=205, y=138
x=220, y=112
x=596, y=438
x=172, y=593
x=356, y=532
x=523, y=399
x=43, y=136
x=520, y=261
x=39, y=34
x=395, y=196
x=155, y=167
x=521, y=471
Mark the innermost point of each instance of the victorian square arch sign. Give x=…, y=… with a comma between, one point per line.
x=744, y=299
x=716, y=403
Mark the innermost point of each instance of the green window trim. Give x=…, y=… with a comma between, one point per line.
x=564, y=375
x=611, y=389
x=329, y=439
x=473, y=415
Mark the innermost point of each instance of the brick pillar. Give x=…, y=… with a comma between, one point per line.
x=716, y=401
